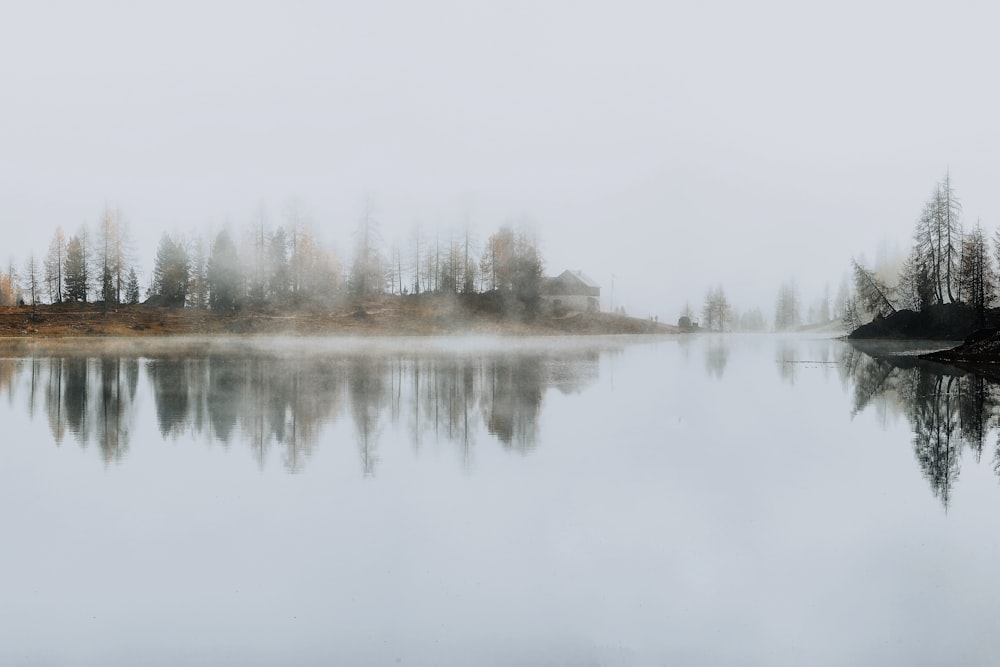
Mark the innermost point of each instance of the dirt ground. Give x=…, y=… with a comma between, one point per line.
x=389, y=317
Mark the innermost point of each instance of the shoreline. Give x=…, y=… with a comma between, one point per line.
x=391, y=318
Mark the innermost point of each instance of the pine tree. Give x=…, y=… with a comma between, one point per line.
x=76, y=271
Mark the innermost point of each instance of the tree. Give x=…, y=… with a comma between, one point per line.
x=977, y=281
x=54, y=266
x=786, y=309
x=8, y=287
x=197, y=277
x=716, y=310
x=916, y=289
x=938, y=240
x=112, y=256
x=76, y=272
x=873, y=294
x=171, y=271
x=223, y=274
x=415, y=265
x=753, y=320
x=368, y=268
x=526, y=279
x=132, y=288
x=32, y=277
x=278, y=271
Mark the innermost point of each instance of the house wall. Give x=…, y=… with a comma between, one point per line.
x=580, y=303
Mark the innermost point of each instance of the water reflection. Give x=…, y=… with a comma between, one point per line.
x=270, y=402
x=949, y=409
x=716, y=357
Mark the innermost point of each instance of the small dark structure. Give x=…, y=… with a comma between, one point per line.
x=570, y=290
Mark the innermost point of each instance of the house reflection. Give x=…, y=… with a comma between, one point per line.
x=269, y=402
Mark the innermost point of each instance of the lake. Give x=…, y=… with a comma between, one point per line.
x=607, y=501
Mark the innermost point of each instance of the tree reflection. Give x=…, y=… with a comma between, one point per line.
x=949, y=409
x=269, y=402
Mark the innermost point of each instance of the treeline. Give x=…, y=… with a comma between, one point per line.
x=264, y=265
x=718, y=314
x=945, y=265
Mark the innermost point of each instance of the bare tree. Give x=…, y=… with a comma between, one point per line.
x=874, y=295
x=32, y=278
x=787, y=310
x=368, y=269
x=54, y=266
x=978, y=278
x=716, y=310
x=938, y=240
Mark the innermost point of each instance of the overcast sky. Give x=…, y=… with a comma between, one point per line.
x=674, y=145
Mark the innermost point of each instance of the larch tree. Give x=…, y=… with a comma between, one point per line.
x=33, y=280
x=977, y=281
x=368, y=274
x=872, y=293
x=53, y=267
x=938, y=240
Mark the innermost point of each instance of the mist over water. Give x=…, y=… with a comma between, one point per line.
x=584, y=501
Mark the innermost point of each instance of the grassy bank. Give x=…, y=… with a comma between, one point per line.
x=390, y=316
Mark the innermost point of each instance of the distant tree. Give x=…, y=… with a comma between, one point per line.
x=840, y=301
x=8, y=290
x=295, y=222
x=978, y=278
x=716, y=310
x=54, y=261
x=76, y=270
x=171, y=271
x=753, y=320
x=512, y=264
x=112, y=256
x=368, y=276
x=223, y=273
x=786, y=309
x=132, y=288
x=33, y=280
x=469, y=264
x=198, y=275
x=258, y=275
x=278, y=270
x=415, y=262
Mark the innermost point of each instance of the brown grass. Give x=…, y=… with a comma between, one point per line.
x=389, y=316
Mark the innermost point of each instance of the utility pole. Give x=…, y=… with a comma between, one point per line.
x=612, y=294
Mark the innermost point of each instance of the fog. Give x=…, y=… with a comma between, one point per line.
x=674, y=146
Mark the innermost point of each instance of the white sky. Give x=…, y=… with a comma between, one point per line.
x=675, y=145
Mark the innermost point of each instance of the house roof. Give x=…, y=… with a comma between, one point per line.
x=569, y=283
x=582, y=277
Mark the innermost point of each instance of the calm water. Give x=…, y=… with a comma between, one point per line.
x=750, y=500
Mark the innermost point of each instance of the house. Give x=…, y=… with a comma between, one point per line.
x=570, y=290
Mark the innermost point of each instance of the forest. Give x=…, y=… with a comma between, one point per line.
x=284, y=266
x=949, y=271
